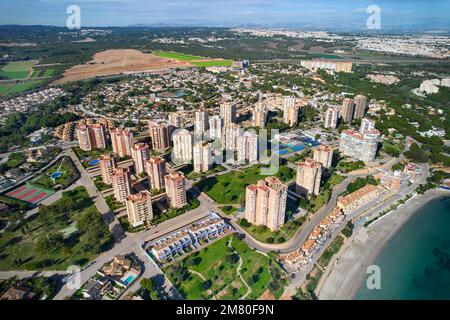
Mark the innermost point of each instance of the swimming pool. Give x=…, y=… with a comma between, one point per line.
x=56, y=175
x=93, y=162
x=129, y=279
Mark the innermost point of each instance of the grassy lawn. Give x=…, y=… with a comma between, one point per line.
x=230, y=188
x=39, y=243
x=90, y=155
x=264, y=234
x=177, y=56
x=350, y=166
x=113, y=204
x=331, y=250
x=17, y=69
x=100, y=185
x=218, y=264
x=213, y=63
x=314, y=203
x=215, y=169
x=193, y=203
x=228, y=210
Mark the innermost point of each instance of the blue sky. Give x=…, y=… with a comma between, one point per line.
x=395, y=14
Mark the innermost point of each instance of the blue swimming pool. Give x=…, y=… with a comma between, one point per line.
x=56, y=175
x=93, y=162
x=129, y=279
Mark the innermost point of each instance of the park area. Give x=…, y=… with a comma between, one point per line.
x=62, y=174
x=194, y=60
x=219, y=271
x=68, y=232
x=30, y=192
x=230, y=188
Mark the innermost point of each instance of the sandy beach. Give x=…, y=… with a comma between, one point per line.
x=349, y=270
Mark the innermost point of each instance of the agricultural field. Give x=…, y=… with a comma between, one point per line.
x=177, y=56
x=213, y=272
x=213, y=63
x=117, y=61
x=12, y=88
x=194, y=60
x=230, y=188
x=17, y=69
x=44, y=72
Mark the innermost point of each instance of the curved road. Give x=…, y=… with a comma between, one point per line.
x=302, y=234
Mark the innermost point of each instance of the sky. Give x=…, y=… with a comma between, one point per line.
x=326, y=14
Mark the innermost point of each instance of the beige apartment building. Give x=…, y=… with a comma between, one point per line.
x=139, y=208
x=160, y=135
x=140, y=153
x=309, y=174
x=347, y=110
x=122, y=140
x=259, y=115
x=265, y=203
x=228, y=112
x=156, y=170
x=290, y=111
x=107, y=164
x=360, y=106
x=176, y=189
x=324, y=155
x=176, y=120
x=91, y=137
x=121, y=182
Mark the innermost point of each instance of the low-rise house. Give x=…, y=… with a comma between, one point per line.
x=94, y=289
x=18, y=293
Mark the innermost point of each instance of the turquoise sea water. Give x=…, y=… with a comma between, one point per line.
x=415, y=264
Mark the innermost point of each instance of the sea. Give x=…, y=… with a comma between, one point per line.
x=415, y=264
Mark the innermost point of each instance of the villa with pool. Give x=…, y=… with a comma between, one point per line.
x=112, y=280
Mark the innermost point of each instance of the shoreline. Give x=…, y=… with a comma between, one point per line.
x=349, y=270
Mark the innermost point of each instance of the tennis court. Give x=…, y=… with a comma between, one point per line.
x=30, y=193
